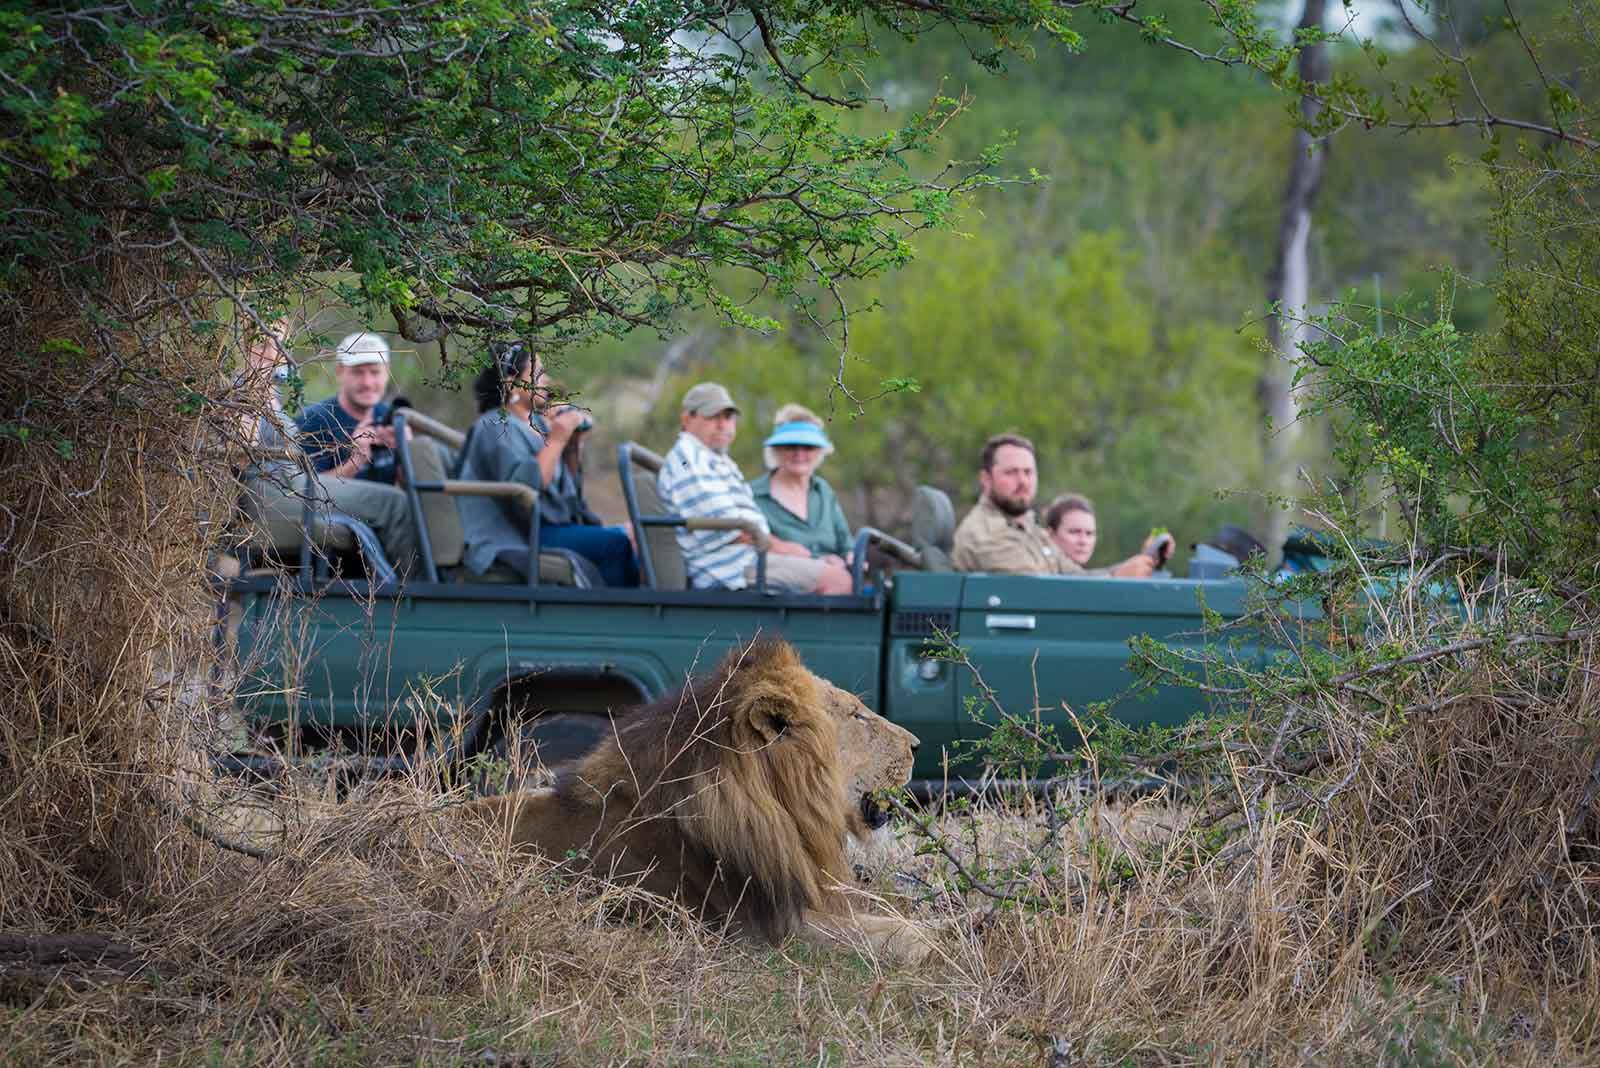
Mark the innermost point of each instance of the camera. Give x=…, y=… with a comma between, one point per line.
x=400, y=401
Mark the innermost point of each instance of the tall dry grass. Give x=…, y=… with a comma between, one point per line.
x=109, y=485
x=387, y=929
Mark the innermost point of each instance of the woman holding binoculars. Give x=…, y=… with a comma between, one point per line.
x=520, y=436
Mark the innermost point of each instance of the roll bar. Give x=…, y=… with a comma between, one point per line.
x=888, y=543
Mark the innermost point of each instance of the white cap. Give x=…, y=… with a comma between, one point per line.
x=361, y=348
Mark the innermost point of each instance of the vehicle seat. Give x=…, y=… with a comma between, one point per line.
x=1210, y=562
x=273, y=522
x=661, y=563
x=439, y=510
x=432, y=457
x=277, y=538
x=933, y=527
x=557, y=567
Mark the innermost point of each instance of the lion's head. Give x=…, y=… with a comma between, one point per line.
x=729, y=793
x=736, y=794
x=876, y=755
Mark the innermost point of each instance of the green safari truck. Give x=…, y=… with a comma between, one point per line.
x=331, y=656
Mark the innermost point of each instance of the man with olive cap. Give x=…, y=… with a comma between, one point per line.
x=699, y=480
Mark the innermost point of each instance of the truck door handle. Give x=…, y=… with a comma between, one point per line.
x=999, y=622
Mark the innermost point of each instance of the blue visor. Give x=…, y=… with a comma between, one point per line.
x=799, y=434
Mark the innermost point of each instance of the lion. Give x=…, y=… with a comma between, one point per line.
x=735, y=797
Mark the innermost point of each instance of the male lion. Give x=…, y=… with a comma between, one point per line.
x=733, y=796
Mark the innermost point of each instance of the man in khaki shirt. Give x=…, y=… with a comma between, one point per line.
x=1001, y=536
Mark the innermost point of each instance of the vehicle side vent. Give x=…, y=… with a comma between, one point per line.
x=922, y=623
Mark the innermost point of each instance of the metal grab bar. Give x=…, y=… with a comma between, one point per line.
x=427, y=424
x=520, y=491
x=890, y=544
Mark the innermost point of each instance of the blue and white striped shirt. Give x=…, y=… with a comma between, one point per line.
x=697, y=482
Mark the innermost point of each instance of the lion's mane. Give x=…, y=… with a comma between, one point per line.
x=728, y=795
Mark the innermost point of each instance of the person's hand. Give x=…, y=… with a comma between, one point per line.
x=382, y=435
x=833, y=560
x=1140, y=566
x=361, y=442
x=565, y=421
x=1158, y=547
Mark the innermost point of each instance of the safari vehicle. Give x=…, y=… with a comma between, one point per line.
x=332, y=645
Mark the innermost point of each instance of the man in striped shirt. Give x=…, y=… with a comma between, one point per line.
x=699, y=480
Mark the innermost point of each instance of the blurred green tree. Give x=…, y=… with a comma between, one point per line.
x=1132, y=405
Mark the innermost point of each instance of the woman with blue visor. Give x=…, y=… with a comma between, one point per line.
x=799, y=504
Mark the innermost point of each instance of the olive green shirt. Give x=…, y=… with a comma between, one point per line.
x=822, y=531
x=990, y=540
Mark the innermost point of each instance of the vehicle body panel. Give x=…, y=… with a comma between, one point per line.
x=1062, y=642
x=352, y=659
x=342, y=657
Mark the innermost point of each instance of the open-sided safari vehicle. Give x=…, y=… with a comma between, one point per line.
x=333, y=651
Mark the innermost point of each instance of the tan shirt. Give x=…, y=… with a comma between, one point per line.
x=990, y=540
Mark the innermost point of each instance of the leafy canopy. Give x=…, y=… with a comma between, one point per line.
x=481, y=165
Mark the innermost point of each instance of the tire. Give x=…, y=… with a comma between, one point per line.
x=552, y=740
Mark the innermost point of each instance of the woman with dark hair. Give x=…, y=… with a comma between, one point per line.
x=520, y=437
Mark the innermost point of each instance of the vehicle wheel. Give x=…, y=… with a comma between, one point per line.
x=550, y=741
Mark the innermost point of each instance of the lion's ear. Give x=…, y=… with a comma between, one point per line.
x=769, y=718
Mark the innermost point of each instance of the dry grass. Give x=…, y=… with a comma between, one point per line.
x=387, y=930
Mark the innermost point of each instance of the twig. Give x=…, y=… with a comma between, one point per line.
x=221, y=841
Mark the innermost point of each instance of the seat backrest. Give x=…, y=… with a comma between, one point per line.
x=660, y=558
x=933, y=527
x=439, y=510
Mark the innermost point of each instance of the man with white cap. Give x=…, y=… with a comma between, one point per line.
x=350, y=444
x=698, y=479
x=346, y=435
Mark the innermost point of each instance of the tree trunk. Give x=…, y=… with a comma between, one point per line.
x=1288, y=288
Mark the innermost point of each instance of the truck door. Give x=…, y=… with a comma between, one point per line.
x=920, y=689
x=1047, y=641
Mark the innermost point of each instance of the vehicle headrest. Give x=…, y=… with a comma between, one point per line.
x=1210, y=562
x=1237, y=542
x=933, y=518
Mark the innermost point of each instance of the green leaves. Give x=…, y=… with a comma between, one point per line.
x=488, y=166
x=1413, y=407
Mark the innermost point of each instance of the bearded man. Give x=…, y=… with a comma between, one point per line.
x=1001, y=536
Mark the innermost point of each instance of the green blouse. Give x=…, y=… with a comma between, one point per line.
x=823, y=530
